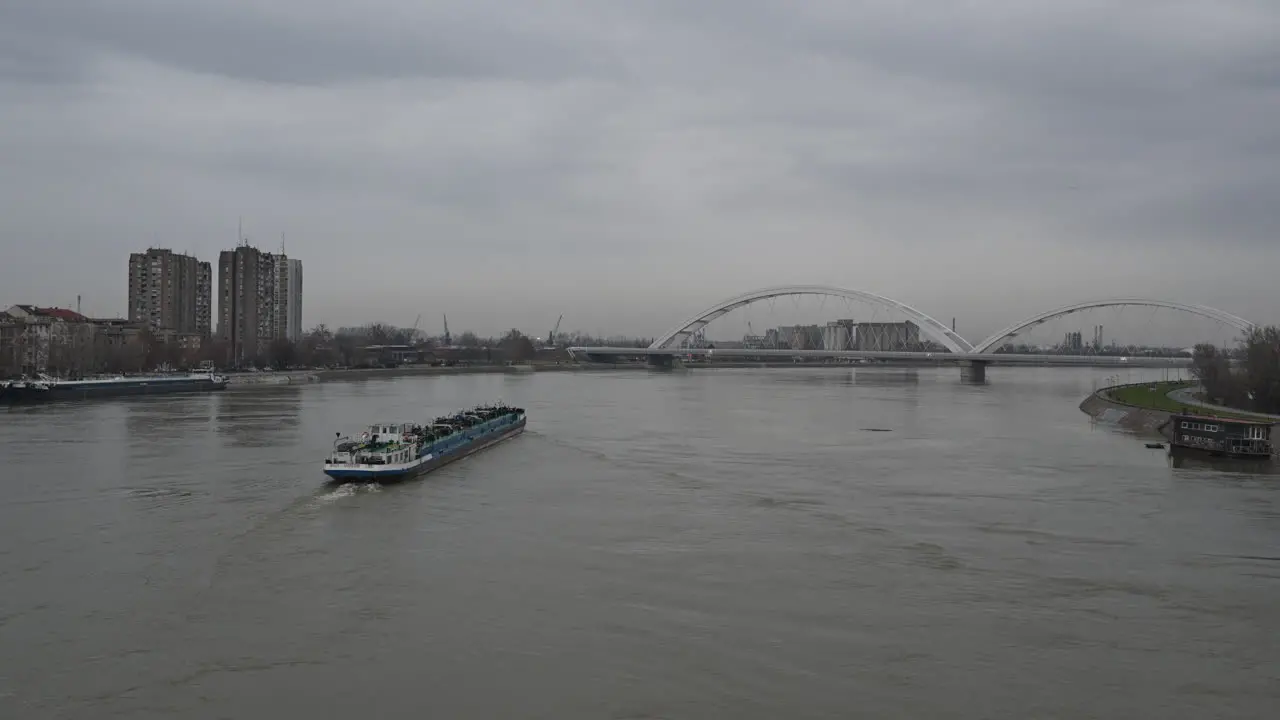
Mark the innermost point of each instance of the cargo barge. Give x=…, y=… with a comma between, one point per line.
x=46, y=389
x=396, y=451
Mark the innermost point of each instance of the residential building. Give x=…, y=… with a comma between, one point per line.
x=12, y=348
x=170, y=291
x=288, y=304
x=259, y=301
x=37, y=340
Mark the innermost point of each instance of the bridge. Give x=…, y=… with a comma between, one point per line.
x=973, y=359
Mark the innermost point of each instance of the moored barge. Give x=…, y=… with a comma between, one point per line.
x=46, y=389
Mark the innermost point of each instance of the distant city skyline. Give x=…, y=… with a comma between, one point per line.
x=628, y=163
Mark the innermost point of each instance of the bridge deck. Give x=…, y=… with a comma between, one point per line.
x=940, y=357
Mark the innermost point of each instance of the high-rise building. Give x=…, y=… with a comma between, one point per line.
x=288, y=307
x=169, y=291
x=259, y=301
x=204, y=299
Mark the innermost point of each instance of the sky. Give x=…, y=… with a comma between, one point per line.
x=628, y=163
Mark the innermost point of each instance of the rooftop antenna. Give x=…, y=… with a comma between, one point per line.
x=281, y=244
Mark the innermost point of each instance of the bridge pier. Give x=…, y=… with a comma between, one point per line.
x=973, y=371
x=661, y=361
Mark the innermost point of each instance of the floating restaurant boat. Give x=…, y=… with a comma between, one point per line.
x=1220, y=436
x=396, y=451
x=43, y=388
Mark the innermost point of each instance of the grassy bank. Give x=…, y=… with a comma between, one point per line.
x=1152, y=396
x=1155, y=396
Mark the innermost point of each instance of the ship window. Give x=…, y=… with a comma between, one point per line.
x=1184, y=424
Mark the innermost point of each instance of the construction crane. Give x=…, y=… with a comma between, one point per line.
x=551, y=336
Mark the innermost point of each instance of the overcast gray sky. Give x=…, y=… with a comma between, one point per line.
x=626, y=163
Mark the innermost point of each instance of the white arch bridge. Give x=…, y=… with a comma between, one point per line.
x=972, y=358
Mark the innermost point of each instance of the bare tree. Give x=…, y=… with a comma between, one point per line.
x=517, y=347
x=1262, y=368
x=1213, y=370
x=283, y=353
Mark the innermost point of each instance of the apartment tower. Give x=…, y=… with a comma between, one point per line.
x=259, y=301
x=169, y=291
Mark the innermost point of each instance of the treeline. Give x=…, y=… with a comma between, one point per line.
x=1251, y=381
x=81, y=349
x=1106, y=351
x=347, y=346
x=357, y=347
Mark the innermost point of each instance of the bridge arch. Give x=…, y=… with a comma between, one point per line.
x=935, y=330
x=1204, y=311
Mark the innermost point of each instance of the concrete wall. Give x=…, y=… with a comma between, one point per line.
x=249, y=380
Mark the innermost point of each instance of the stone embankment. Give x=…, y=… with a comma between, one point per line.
x=244, y=381
x=1104, y=409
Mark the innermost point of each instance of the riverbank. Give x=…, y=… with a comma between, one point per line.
x=1144, y=408
x=249, y=381
x=1103, y=408
x=1188, y=396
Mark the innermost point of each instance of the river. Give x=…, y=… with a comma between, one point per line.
x=808, y=543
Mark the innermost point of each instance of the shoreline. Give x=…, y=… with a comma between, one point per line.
x=249, y=381
x=1102, y=407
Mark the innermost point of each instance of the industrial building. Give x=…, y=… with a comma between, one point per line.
x=892, y=337
x=840, y=335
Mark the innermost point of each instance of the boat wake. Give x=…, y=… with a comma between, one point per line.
x=346, y=490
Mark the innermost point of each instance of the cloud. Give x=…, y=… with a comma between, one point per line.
x=625, y=163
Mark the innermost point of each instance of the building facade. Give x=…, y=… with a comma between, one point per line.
x=800, y=337
x=288, y=303
x=839, y=335
x=37, y=340
x=887, y=337
x=259, y=294
x=170, y=291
